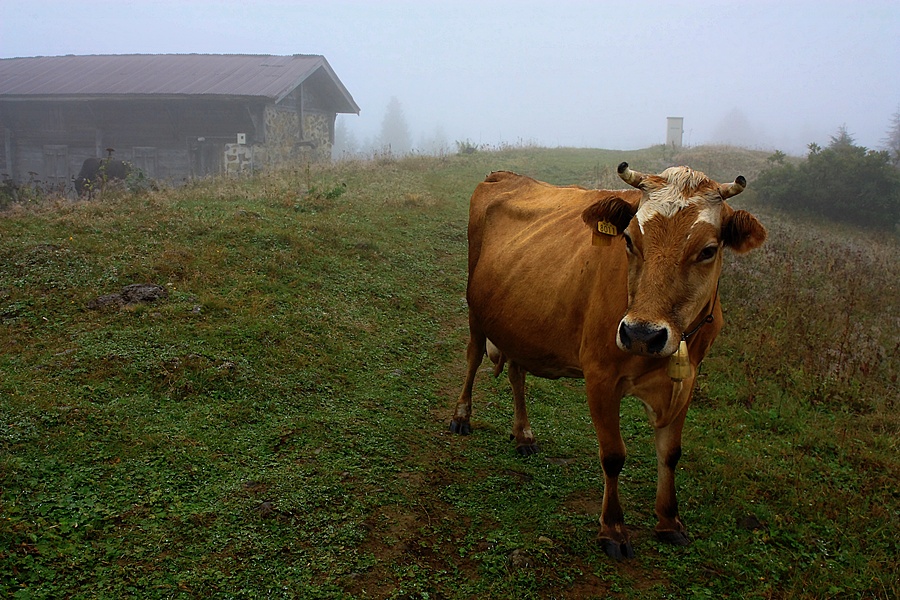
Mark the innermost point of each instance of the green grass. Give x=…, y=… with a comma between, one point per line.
x=277, y=427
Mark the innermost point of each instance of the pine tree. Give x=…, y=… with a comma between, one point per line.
x=843, y=138
x=395, y=135
x=892, y=141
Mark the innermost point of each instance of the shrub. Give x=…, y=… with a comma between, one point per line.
x=843, y=182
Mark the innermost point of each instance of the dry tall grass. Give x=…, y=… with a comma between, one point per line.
x=815, y=312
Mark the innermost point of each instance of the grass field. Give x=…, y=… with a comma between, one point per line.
x=276, y=427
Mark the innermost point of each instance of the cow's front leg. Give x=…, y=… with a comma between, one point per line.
x=669, y=527
x=474, y=356
x=525, y=444
x=604, y=408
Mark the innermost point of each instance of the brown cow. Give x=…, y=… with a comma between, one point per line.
x=615, y=312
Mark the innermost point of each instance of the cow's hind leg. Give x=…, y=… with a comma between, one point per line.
x=525, y=444
x=474, y=355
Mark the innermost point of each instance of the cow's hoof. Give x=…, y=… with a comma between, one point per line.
x=676, y=538
x=528, y=449
x=460, y=427
x=617, y=550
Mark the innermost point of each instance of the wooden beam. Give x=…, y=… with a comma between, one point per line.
x=300, y=109
x=255, y=120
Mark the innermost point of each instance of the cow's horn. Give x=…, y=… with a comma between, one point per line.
x=727, y=190
x=632, y=178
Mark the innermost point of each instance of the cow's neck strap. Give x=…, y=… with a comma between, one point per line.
x=679, y=367
x=687, y=335
x=709, y=318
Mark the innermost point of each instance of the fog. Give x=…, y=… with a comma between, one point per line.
x=756, y=73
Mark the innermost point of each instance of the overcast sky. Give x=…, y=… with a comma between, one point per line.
x=760, y=73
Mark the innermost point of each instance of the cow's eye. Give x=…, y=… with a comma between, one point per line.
x=707, y=254
x=628, y=243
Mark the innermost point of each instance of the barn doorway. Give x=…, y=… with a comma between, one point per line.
x=206, y=157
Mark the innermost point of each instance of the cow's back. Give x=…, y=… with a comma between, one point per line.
x=507, y=207
x=89, y=168
x=95, y=169
x=534, y=276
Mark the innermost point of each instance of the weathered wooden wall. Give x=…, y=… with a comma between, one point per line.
x=169, y=138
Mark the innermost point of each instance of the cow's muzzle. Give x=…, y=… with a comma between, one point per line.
x=646, y=339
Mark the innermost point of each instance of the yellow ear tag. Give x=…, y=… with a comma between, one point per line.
x=604, y=234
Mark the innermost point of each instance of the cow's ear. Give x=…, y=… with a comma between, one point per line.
x=741, y=231
x=613, y=209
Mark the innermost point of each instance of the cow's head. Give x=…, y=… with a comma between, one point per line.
x=674, y=234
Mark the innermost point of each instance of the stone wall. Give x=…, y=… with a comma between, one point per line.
x=284, y=145
x=244, y=158
x=282, y=136
x=317, y=128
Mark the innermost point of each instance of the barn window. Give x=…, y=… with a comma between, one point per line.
x=144, y=158
x=56, y=165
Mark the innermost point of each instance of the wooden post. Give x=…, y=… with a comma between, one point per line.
x=8, y=152
x=98, y=142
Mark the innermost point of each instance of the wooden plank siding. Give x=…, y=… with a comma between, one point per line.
x=176, y=129
x=171, y=126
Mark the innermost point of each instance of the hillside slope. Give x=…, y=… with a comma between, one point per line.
x=275, y=423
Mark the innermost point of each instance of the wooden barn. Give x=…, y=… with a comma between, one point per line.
x=175, y=116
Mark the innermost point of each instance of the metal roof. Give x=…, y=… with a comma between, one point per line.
x=248, y=75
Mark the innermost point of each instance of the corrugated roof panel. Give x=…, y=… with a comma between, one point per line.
x=149, y=74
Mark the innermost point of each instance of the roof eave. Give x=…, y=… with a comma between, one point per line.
x=125, y=97
x=323, y=64
x=344, y=92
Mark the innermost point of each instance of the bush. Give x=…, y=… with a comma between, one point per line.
x=843, y=182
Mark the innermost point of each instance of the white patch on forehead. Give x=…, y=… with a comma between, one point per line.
x=712, y=214
x=676, y=195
